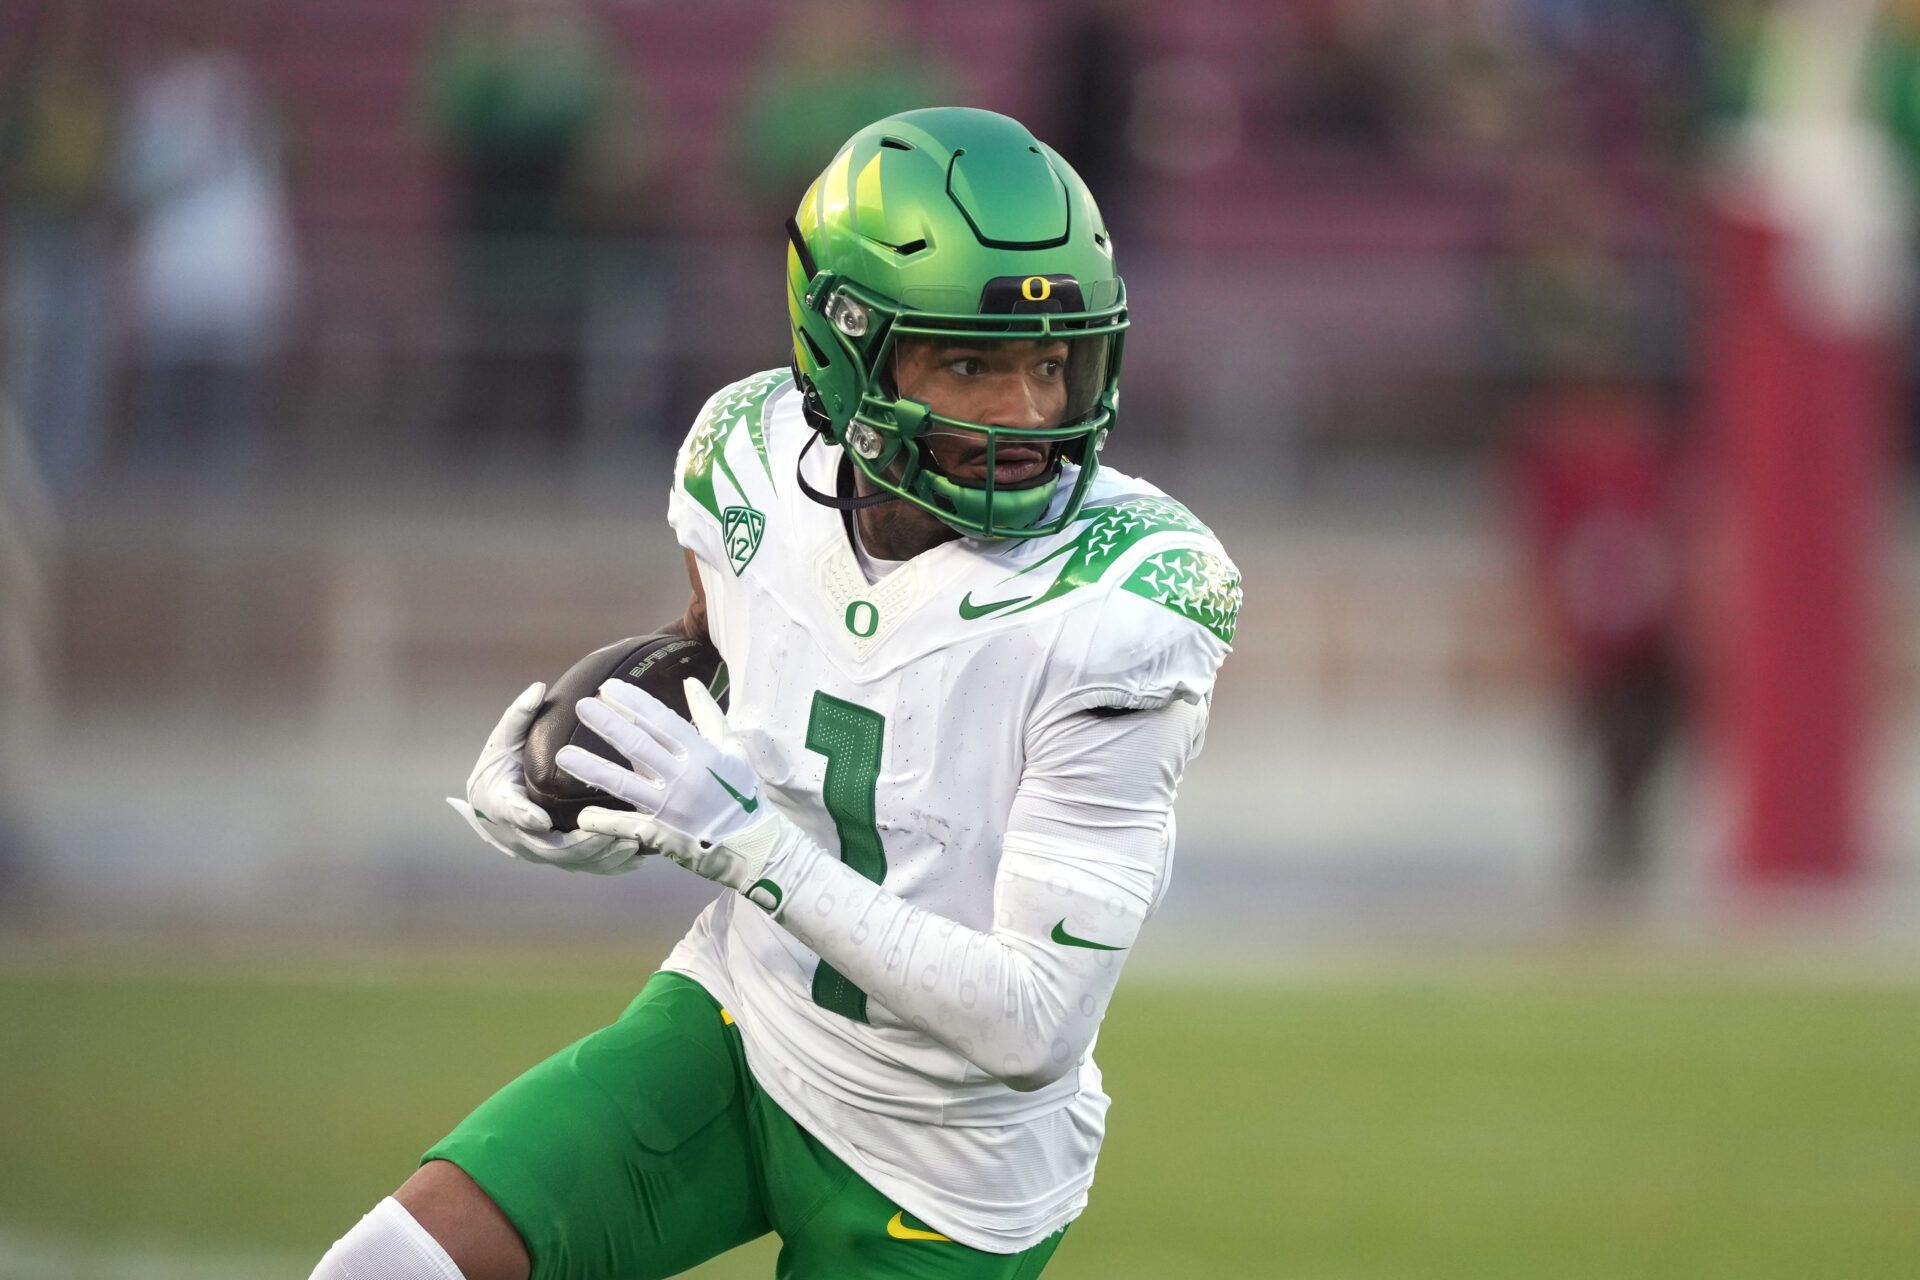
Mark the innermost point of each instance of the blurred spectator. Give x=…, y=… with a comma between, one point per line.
x=1093, y=50
x=1624, y=74
x=1345, y=91
x=1597, y=491
x=1896, y=76
x=213, y=271
x=836, y=67
x=57, y=142
x=1734, y=36
x=1459, y=85
x=1565, y=302
x=517, y=94
x=1471, y=81
x=1594, y=486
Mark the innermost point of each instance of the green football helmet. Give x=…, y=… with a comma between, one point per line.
x=953, y=224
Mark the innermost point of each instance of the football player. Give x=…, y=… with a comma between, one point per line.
x=969, y=665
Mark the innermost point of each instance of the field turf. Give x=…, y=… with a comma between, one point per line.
x=1545, y=1118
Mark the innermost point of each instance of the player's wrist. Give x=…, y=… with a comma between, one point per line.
x=773, y=856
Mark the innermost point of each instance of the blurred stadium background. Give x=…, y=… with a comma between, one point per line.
x=1549, y=891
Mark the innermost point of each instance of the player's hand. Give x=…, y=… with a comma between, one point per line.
x=498, y=808
x=695, y=797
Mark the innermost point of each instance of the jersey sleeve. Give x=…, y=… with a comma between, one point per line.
x=1158, y=634
x=722, y=474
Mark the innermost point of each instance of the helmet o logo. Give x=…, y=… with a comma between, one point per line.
x=863, y=619
x=1036, y=288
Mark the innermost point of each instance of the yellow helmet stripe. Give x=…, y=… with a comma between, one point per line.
x=834, y=193
x=809, y=217
x=871, y=216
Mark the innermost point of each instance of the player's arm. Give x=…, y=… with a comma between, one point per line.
x=693, y=623
x=1083, y=862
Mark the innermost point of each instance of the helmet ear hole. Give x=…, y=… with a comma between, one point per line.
x=820, y=357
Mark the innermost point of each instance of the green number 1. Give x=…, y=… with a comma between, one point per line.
x=849, y=736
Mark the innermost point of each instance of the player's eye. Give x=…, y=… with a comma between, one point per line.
x=968, y=366
x=1050, y=369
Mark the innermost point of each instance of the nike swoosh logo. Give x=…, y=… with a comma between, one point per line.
x=1065, y=939
x=748, y=805
x=899, y=1230
x=969, y=610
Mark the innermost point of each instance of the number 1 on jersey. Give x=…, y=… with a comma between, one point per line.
x=850, y=737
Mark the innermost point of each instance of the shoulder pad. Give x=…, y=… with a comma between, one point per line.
x=1188, y=573
x=735, y=411
x=1163, y=616
x=1198, y=583
x=710, y=505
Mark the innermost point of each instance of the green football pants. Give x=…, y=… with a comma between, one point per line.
x=648, y=1147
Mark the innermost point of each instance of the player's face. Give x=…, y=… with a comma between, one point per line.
x=1022, y=385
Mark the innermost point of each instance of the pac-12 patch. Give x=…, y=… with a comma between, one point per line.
x=742, y=527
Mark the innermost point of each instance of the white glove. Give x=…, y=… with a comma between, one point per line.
x=497, y=805
x=696, y=799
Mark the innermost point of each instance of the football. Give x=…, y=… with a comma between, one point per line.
x=657, y=663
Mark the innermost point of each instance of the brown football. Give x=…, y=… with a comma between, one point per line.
x=657, y=663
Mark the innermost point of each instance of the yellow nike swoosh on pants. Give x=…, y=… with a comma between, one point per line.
x=901, y=1231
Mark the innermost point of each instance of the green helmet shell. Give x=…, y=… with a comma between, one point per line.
x=952, y=223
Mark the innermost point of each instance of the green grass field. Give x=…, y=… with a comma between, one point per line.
x=1560, y=1118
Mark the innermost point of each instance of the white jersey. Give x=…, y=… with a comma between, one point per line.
x=891, y=721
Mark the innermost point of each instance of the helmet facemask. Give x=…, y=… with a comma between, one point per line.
x=888, y=436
